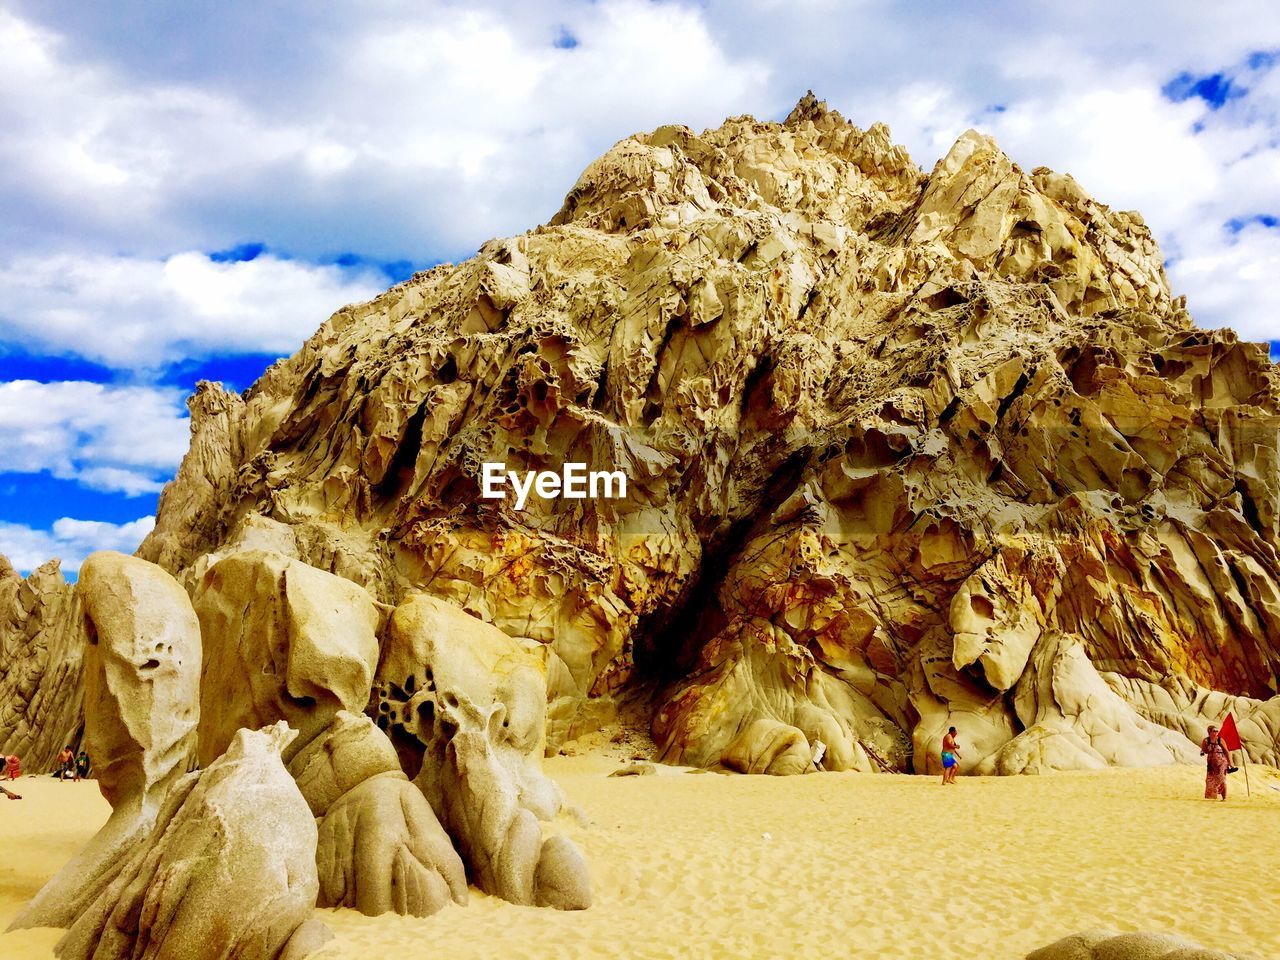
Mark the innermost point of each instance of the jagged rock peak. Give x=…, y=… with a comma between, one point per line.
x=807, y=107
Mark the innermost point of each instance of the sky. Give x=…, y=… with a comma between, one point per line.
x=188, y=191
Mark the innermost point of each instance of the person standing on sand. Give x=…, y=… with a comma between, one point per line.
x=66, y=763
x=12, y=770
x=950, y=756
x=1216, y=762
x=82, y=765
x=4, y=763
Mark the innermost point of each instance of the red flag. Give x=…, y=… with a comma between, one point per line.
x=1229, y=735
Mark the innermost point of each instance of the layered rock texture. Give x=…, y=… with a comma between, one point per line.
x=228, y=871
x=904, y=450
x=41, y=666
x=141, y=680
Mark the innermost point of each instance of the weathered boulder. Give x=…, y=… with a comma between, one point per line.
x=142, y=670
x=768, y=746
x=466, y=705
x=380, y=847
x=1073, y=720
x=1181, y=705
x=282, y=641
x=350, y=751
x=1107, y=945
x=228, y=871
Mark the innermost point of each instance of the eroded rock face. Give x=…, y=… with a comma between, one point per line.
x=228, y=871
x=885, y=431
x=380, y=847
x=466, y=705
x=141, y=677
x=282, y=641
x=41, y=666
x=1073, y=720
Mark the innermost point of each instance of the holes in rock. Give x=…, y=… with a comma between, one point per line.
x=947, y=297
x=448, y=371
x=982, y=606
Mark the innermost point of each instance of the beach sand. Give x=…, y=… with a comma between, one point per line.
x=708, y=865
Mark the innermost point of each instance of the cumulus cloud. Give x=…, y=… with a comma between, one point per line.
x=1234, y=276
x=411, y=132
x=129, y=312
x=69, y=540
x=111, y=438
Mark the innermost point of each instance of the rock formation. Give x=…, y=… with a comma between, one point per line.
x=41, y=666
x=903, y=450
x=467, y=705
x=282, y=641
x=1106, y=945
x=228, y=871
x=141, y=676
x=381, y=848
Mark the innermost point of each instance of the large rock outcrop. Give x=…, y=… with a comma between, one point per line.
x=141, y=681
x=41, y=666
x=884, y=431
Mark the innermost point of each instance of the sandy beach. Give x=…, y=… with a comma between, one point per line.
x=708, y=865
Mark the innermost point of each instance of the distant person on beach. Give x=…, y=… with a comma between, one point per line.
x=12, y=767
x=82, y=765
x=4, y=764
x=1217, y=759
x=950, y=756
x=66, y=763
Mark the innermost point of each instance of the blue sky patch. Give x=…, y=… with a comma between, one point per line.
x=397, y=271
x=16, y=363
x=38, y=499
x=1263, y=59
x=240, y=253
x=237, y=372
x=1215, y=89
x=1270, y=221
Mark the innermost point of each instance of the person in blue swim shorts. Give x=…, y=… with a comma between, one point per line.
x=950, y=756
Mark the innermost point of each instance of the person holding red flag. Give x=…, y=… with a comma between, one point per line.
x=1217, y=759
x=1229, y=735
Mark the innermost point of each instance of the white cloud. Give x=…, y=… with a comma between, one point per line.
x=129, y=312
x=69, y=540
x=116, y=439
x=1235, y=280
x=413, y=132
